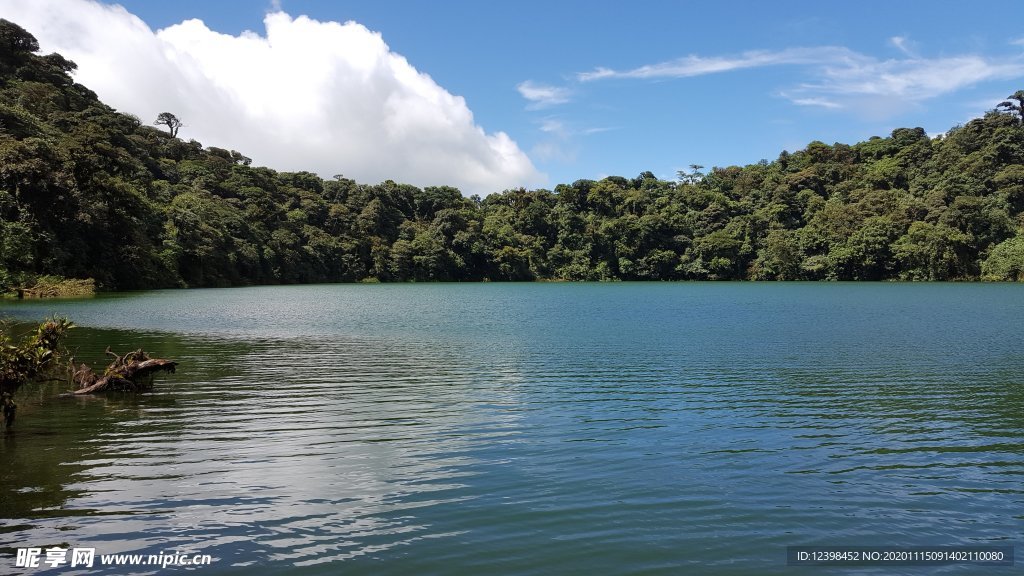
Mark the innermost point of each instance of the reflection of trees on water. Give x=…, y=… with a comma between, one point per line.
x=375, y=435
x=63, y=444
x=47, y=452
x=986, y=401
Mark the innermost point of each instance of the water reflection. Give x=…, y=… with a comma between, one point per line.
x=444, y=429
x=298, y=451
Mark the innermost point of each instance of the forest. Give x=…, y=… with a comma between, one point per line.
x=87, y=192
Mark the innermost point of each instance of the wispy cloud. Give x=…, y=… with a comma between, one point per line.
x=542, y=95
x=555, y=151
x=553, y=126
x=1017, y=42
x=561, y=141
x=694, y=65
x=913, y=78
x=817, y=101
x=836, y=77
x=557, y=127
x=903, y=44
x=988, y=102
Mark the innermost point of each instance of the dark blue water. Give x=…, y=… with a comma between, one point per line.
x=533, y=428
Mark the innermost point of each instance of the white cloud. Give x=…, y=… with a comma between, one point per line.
x=541, y=96
x=321, y=96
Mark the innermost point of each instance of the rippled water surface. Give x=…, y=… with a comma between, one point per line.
x=531, y=428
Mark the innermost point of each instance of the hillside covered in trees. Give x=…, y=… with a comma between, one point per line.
x=87, y=192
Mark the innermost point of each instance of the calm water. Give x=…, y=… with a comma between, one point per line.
x=532, y=428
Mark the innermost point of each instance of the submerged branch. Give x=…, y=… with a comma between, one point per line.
x=129, y=373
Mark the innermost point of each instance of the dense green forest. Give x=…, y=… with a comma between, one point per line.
x=87, y=192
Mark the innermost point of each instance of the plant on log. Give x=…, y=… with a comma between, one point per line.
x=34, y=358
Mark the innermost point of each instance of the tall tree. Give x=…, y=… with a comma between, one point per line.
x=171, y=121
x=1016, y=106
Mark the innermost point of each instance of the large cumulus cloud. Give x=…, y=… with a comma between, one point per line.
x=306, y=95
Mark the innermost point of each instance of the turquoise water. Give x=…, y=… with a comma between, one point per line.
x=532, y=428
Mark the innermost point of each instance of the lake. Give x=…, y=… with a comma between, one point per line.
x=623, y=428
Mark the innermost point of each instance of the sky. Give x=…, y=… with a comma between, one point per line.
x=488, y=96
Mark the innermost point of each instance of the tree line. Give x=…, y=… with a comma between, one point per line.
x=88, y=192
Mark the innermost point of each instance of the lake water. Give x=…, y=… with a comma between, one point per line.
x=532, y=428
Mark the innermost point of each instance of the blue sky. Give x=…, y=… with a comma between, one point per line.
x=584, y=89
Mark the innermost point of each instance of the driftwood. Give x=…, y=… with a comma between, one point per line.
x=129, y=373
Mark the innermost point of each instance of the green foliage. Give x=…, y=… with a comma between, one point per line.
x=1006, y=262
x=33, y=356
x=15, y=41
x=779, y=258
x=89, y=192
x=933, y=252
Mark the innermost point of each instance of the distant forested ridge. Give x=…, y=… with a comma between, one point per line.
x=86, y=191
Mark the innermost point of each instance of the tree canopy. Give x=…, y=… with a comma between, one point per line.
x=86, y=191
